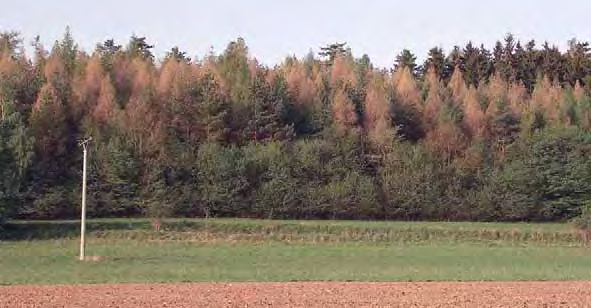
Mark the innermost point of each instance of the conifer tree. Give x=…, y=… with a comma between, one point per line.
x=433, y=101
x=342, y=72
x=138, y=47
x=269, y=104
x=435, y=62
x=474, y=116
x=106, y=110
x=214, y=111
x=406, y=88
x=406, y=60
x=377, y=116
x=16, y=155
x=332, y=51
x=345, y=118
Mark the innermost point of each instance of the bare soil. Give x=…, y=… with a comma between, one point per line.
x=305, y=294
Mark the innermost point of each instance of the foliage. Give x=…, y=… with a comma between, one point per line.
x=472, y=134
x=583, y=222
x=222, y=183
x=15, y=157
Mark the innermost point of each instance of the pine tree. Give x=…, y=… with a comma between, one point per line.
x=406, y=59
x=177, y=55
x=332, y=51
x=138, y=47
x=108, y=48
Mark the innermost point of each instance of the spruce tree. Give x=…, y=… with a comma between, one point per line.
x=269, y=104
x=214, y=114
x=406, y=59
x=15, y=156
x=435, y=62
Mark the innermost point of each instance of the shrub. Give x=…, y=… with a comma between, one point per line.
x=549, y=176
x=583, y=222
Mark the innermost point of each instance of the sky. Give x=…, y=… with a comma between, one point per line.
x=274, y=29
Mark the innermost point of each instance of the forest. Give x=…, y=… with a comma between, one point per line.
x=475, y=133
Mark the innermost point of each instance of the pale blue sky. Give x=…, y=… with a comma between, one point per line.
x=274, y=29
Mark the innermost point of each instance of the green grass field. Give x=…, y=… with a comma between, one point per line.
x=254, y=250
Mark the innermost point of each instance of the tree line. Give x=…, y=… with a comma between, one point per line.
x=471, y=134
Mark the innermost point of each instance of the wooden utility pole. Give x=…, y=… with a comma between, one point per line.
x=84, y=144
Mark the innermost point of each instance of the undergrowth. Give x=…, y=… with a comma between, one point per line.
x=246, y=230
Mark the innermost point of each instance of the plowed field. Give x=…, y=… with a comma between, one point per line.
x=306, y=294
